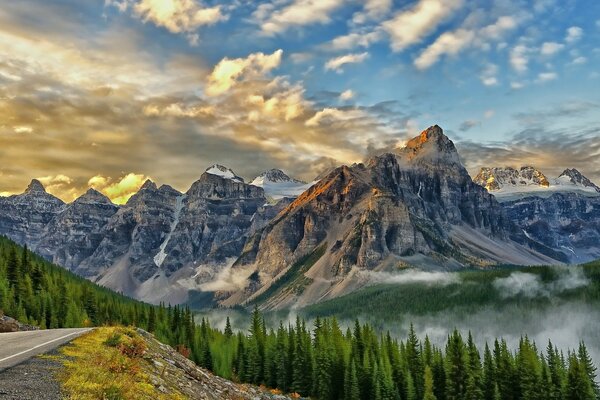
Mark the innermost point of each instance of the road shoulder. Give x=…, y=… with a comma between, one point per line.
x=34, y=379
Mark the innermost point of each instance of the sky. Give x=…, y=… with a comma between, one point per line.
x=109, y=93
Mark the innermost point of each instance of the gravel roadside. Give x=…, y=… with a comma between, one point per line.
x=31, y=380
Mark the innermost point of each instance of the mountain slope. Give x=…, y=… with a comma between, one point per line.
x=416, y=207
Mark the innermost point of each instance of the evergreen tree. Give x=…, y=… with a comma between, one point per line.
x=228, y=331
x=489, y=378
x=428, y=385
x=579, y=386
x=589, y=367
x=456, y=367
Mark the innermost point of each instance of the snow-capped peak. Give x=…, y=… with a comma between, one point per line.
x=274, y=176
x=223, y=172
x=573, y=177
x=277, y=184
x=507, y=182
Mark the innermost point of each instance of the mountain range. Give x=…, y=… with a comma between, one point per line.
x=283, y=242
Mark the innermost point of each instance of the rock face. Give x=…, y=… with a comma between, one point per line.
x=75, y=232
x=560, y=213
x=131, y=238
x=415, y=207
x=147, y=247
x=507, y=183
x=566, y=222
x=214, y=222
x=494, y=179
x=23, y=217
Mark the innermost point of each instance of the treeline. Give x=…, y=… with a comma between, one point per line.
x=322, y=360
x=325, y=362
x=36, y=292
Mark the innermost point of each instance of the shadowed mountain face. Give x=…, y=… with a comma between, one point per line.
x=416, y=207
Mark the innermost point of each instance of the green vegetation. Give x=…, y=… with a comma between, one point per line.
x=325, y=362
x=107, y=363
x=472, y=291
x=39, y=293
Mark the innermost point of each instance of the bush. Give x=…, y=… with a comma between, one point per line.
x=113, y=340
x=134, y=349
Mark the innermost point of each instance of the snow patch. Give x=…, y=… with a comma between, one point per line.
x=159, y=258
x=224, y=172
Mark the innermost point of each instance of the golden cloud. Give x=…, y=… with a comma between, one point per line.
x=122, y=189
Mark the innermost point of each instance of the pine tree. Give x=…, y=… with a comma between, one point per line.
x=228, y=331
x=456, y=367
x=152, y=320
x=489, y=376
x=415, y=361
x=351, y=388
x=428, y=385
x=473, y=389
x=555, y=367
x=589, y=367
x=12, y=269
x=579, y=386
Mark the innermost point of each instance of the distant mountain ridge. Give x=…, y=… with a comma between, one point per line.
x=415, y=207
x=511, y=183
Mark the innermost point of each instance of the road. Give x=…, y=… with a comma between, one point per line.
x=16, y=347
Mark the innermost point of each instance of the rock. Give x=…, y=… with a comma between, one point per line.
x=8, y=324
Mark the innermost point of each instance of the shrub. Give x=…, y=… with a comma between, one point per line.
x=113, y=340
x=134, y=349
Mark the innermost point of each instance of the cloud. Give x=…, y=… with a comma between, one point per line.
x=177, y=16
x=23, y=129
x=347, y=95
x=489, y=114
x=59, y=185
x=531, y=285
x=468, y=125
x=328, y=116
x=275, y=19
x=355, y=39
x=411, y=26
x=574, y=33
x=452, y=43
x=372, y=10
x=120, y=190
x=229, y=71
x=550, y=48
x=337, y=63
x=519, y=58
x=546, y=77
x=408, y=277
x=579, y=60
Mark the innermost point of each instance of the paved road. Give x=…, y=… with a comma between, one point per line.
x=16, y=347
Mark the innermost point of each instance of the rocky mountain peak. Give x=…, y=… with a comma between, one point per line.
x=223, y=172
x=149, y=185
x=35, y=187
x=275, y=175
x=574, y=177
x=432, y=145
x=93, y=196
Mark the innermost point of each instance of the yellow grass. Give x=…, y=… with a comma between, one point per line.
x=96, y=370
